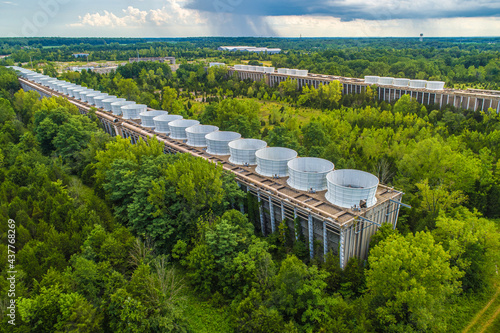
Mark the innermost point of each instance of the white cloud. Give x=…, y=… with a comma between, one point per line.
x=172, y=13
x=108, y=19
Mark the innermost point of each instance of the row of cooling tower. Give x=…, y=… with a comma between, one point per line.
x=262, y=69
x=398, y=82
x=346, y=188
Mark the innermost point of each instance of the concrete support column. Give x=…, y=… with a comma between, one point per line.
x=311, y=236
x=325, y=241
x=394, y=223
x=441, y=102
x=294, y=218
x=282, y=211
x=271, y=213
x=482, y=106
x=389, y=95
x=468, y=103
x=261, y=215
x=342, y=248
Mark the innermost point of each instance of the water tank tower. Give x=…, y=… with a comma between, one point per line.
x=116, y=107
x=133, y=111
x=348, y=188
x=218, y=142
x=161, y=122
x=243, y=151
x=196, y=135
x=308, y=173
x=148, y=116
x=273, y=161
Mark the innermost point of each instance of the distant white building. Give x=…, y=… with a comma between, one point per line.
x=249, y=49
x=80, y=68
x=212, y=64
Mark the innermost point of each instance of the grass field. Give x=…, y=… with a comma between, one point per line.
x=488, y=318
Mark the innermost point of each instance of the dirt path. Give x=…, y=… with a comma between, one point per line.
x=491, y=320
x=480, y=314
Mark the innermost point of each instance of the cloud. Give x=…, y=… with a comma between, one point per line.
x=175, y=15
x=348, y=10
x=132, y=16
x=170, y=14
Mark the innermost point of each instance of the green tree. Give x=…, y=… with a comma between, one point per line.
x=55, y=311
x=168, y=96
x=473, y=243
x=409, y=281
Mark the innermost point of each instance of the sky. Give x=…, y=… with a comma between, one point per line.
x=261, y=18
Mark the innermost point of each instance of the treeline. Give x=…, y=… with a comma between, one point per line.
x=460, y=62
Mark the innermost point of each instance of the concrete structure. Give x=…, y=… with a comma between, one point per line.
x=252, y=49
x=80, y=68
x=432, y=92
x=342, y=230
x=104, y=70
x=171, y=60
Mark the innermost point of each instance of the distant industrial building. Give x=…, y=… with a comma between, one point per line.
x=249, y=49
x=80, y=68
x=80, y=55
x=105, y=70
x=212, y=64
x=171, y=60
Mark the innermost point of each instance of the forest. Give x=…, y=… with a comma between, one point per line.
x=115, y=237
x=460, y=62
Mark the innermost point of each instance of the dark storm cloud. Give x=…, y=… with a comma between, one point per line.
x=348, y=10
